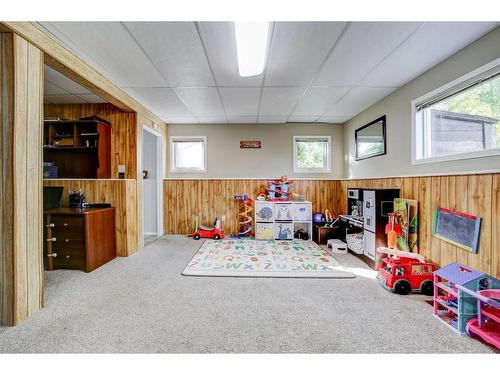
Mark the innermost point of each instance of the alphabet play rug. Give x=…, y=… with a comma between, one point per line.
x=249, y=258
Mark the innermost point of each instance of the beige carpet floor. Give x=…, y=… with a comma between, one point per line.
x=143, y=304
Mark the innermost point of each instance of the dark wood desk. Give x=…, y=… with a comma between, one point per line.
x=81, y=239
x=322, y=234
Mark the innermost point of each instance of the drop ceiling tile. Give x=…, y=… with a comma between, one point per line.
x=431, y=44
x=241, y=101
x=298, y=49
x=279, y=100
x=53, y=77
x=161, y=101
x=272, y=119
x=357, y=100
x=334, y=119
x=110, y=49
x=51, y=89
x=318, y=99
x=361, y=48
x=220, y=43
x=202, y=101
x=63, y=99
x=295, y=118
x=179, y=120
x=92, y=98
x=242, y=119
x=176, y=49
x=212, y=119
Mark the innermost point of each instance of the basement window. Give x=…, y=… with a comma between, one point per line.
x=311, y=154
x=460, y=120
x=188, y=154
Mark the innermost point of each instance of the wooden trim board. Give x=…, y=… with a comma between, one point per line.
x=21, y=179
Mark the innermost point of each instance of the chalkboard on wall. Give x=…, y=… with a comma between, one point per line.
x=457, y=228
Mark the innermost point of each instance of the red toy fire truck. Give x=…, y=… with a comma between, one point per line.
x=403, y=272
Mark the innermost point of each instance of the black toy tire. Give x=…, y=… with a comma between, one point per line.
x=196, y=236
x=216, y=237
x=427, y=288
x=402, y=287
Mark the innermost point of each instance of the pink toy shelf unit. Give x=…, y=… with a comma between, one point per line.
x=456, y=291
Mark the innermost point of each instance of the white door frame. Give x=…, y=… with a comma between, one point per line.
x=159, y=178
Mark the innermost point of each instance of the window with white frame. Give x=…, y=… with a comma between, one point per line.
x=311, y=154
x=188, y=154
x=461, y=120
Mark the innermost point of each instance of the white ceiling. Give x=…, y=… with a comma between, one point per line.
x=186, y=72
x=59, y=89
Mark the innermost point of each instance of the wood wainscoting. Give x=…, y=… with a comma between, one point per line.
x=123, y=131
x=122, y=194
x=183, y=199
x=477, y=194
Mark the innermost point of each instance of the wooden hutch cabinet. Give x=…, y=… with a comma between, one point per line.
x=78, y=148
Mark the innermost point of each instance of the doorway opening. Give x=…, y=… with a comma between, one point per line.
x=152, y=184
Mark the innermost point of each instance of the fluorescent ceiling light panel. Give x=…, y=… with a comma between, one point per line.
x=251, y=47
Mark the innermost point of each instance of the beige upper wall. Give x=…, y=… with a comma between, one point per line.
x=397, y=161
x=274, y=159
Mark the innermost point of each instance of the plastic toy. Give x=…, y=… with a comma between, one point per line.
x=392, y=230
x=318, y=218
x=403, y=272
x=328, y=219
x=244, y=218
x=201, y=231
x=279, y=190
x=487, y=324
x=456, y=293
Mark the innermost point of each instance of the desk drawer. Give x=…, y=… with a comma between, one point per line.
x=68, y=224
x=69, y=257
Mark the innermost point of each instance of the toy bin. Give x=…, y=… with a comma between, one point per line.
x=264, y=211
x=283, y=211
x=302, y=212
x=283, y=231
x=264, y=231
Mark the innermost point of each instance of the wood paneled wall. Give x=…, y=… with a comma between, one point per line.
x=122, y=194
x=183, y=199
x=21, y=289
x=123, y=133
x=475, y=194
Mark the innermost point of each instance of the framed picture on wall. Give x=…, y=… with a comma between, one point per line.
x=370, y=139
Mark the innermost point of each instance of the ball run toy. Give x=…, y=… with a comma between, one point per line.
x=244, y=217
x=487, y=324
x=279, y=190
x=200, y=231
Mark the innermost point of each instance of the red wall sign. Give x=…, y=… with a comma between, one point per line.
x=249, y=144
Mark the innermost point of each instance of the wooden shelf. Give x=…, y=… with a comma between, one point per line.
x=77, y=160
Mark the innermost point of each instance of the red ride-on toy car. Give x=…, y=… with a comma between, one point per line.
x=201, y=231
x=402, y=275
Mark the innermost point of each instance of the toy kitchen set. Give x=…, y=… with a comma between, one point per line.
x=365, y=222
